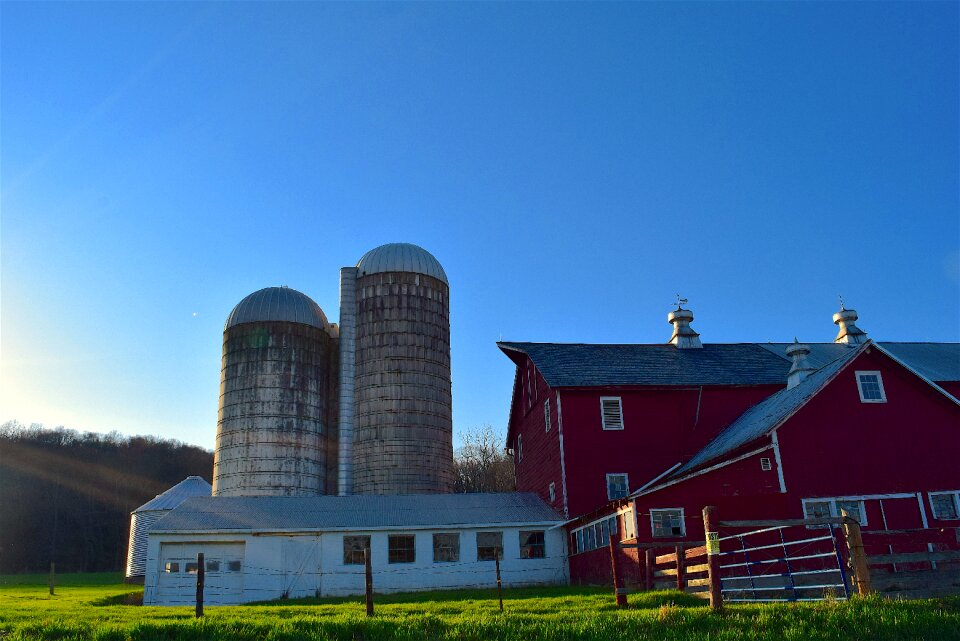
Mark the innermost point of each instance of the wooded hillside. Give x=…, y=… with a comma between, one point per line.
x=66, y=496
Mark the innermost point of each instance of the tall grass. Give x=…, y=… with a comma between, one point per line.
x=92, y=607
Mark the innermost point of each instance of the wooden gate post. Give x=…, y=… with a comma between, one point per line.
x=200, y=576
x=858, y=558
x=681, y=557
x=712, y=538
x=620, y=594
x=648, y=570
x=368, y=580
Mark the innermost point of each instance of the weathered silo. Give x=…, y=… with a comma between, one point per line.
x=401, y=428
x=142, y=518
x=273, y=426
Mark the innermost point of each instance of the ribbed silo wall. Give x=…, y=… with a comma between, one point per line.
x=271, y=426
x=403, y=427
x=140, y=522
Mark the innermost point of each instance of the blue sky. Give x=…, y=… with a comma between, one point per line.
x=572, y=166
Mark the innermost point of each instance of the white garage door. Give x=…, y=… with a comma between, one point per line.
x=223, y=575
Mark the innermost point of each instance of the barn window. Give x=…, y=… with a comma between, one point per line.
x=353, y=547
x=546, y=415
x=213, y=566
x=191, y=568
x=946, y=505
x=611, y=412
x=871, y=387
x=667, y=522
x=171, y=567
x=446, y=547
x=765, y=464
x=233, y=566
x=617, y=486
x=553, y=491
x=532, y=545
x=489, y=546
x=594, y=535
x=402, y=548
x=831, y=508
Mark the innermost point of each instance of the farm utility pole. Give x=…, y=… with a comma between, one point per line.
x=619, y=592
x=858, y=558
x=712, y=537
x=368, y=583
x=496, y=558
x=200, y=569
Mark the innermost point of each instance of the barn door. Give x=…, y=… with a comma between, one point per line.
x=903, y=514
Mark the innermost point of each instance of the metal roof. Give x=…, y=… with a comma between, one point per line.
x=400, y=257
x=277, y=304
x=935, y=361
x=278, y=513
x=765, y=415
x=189, y=487
x=580, y=365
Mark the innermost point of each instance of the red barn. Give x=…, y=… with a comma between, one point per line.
x=652, y=433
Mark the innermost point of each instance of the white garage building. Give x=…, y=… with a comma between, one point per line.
x=263, y=548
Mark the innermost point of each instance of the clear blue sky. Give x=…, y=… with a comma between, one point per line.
x=572, y=166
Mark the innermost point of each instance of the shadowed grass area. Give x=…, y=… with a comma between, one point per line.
x=93, y=607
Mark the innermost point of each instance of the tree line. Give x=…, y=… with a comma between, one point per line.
x=66, y=496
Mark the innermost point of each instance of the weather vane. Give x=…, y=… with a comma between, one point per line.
x=681, y=302
x=840, y=296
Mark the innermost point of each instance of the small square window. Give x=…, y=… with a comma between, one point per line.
x=446, y=547
x=532, y=545
x=611, y=412
x=353, y=547
x=401, y=548
x=233, y=566
x=213, y=566
x=191, y=568
x=870, y=385
x=667, y=522
x=171, y=567
x=489, y=546
x=617, y=486
x=945, y=505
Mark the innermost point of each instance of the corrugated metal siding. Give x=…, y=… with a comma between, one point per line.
x=188, y=487
x=140, y=523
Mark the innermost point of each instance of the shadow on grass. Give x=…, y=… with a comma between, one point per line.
x=128, y=598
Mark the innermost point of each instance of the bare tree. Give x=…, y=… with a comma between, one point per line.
x=482, y=464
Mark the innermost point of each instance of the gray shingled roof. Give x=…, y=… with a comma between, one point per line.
x=185, y=489
x=279, y=513
x=765, y=415
x=935, y=361
x=580, y=365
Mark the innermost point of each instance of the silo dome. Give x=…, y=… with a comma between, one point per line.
x=400, y=257
x=277, y=304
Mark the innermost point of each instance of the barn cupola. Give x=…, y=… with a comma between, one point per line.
x=683, y=335
x=850, y=334
x=801, y=368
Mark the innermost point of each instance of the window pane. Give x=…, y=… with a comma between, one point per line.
x=870, y=387
x=192, y=568
x=944, y=506
x=401, y=548
x=213, y=566
x=489, y=546
x=581, y=544
x=233, y=566
x=853, y=509
x=353, y=547
x=171, y=567
x=666, y=522
x=532, y=545
x=605, y=532
x=617, y=486
x=446, y=547
x=817, y=509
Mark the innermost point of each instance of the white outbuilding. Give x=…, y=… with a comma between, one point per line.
x=266, y=547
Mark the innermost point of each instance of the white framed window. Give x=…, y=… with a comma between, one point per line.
x=765, y=465
x=629, y=531
x=593, y=535
x=617, y=486
x=946, y=505
x=830, y=508
x=611, y=412
x=519, y=447
x=870, y=385
x=553, y=491
x=667, y=522
x=546, y=415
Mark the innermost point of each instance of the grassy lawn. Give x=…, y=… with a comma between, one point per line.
x=92, y=606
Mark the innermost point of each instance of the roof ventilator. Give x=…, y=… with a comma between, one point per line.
x=683, y=335
x=801, y=368
x=849, y=334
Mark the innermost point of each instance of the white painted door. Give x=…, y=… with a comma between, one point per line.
x=223, y=575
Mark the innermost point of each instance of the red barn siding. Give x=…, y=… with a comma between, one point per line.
x=540, y=465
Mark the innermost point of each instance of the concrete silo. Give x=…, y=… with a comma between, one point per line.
x=273, y=427
x=143, y=518
x=395, y=402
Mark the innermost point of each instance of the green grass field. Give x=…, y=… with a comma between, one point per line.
x=95, y=606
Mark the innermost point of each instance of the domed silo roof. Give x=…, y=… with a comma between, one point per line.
x=277, y=304
x=143, y=518
x=400, y=257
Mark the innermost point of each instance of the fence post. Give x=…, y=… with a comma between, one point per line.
x=858, y=558
x=368, y=580
x=619, y=593
x=680, y=567
x=52, y=574
x=496, y=558
x=200, y=576
x=648, y=570
x=712, y=539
